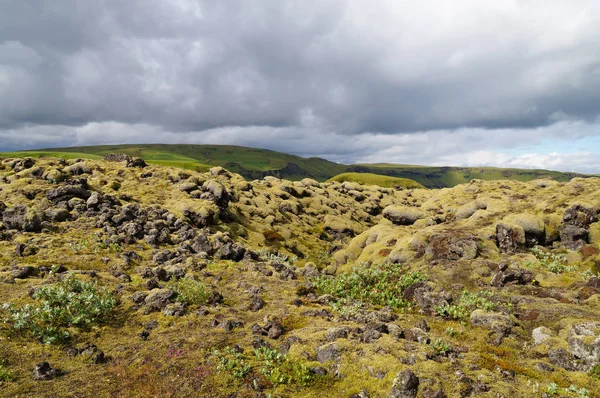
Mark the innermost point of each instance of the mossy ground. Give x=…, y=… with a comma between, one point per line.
x=324, y=224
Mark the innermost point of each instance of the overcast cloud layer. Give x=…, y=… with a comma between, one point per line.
x=466, y=82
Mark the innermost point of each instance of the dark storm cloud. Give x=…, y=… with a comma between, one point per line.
x=286, y=74
x=188, y=65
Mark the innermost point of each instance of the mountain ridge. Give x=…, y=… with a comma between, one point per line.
x=257, y=163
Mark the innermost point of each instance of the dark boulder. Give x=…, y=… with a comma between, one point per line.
x=43, y=371
x=406, y=385
x=67, y=192
x=454, y=246
x=23, y=219
x=573, y=237
x=580, y=216
x=136, y=162
x=512, y=277
x=329, y=352
x=509, y=238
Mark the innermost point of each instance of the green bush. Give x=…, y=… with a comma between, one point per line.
x=441, y=347
x=189, y=291
x=232, y=362
x=66, y=304
x=279, y=369
x=468, y=303
x=274, y=366
x=553, y=262
x=377, y=285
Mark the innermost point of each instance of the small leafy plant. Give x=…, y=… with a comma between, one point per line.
x=66, y=304
x=232, y=362
x=271, y=364
x=279, y=369
x=571, y=391
x=468, y=302
x=441, y=347
x=189, y=291
x=264, y=255
x=553, y=262
x=377, y=285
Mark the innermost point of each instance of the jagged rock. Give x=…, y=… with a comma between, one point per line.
x=230, y=251
x=431, y=393
x=580, y=216
x=370, y=334
x=533, y=228
x=509, y=238
x=395, y=330
x=22, y=218
x=57, y=214
x=174, y=272
x=139, y=297
x=91, y=353
x=329, y=352
x=512, y=277
x=561, y=358
x=23, y=272
x=175, y=309
x=257, y=304
x=453, y=246
x=318, y=370
x=274, y=329
x=337, y=333
x=218, y=171
x=495, y=321
x=67, y=192
x=44, y=371
x=406, y=385
x=427, y=299
x=584, y=344
x=136, y=162
x=22, y=164
x=573, y=237
x=418, y=335
x=216, y=192
x=201, y=219
x=117, y=157
x=594, y=282
x=229, y=324
x=158, y=299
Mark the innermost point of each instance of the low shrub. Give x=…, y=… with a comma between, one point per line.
x=553, y=262
x=189, y=291
x=377, y=285
x=468, y=303
x=271, y=364
x=66, y=304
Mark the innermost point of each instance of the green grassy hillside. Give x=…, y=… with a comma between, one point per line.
x=376, y=179
x=440, y=177
x=254, y=163
x=251, y=163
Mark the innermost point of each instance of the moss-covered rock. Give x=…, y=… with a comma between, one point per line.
x=403, y=215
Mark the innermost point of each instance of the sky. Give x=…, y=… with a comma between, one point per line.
x=502, y=83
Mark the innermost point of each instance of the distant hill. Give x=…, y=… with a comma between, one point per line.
x=254, y=163
x=376, y=179
x=440, y=177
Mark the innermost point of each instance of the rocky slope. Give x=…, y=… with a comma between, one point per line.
x=121, y=279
